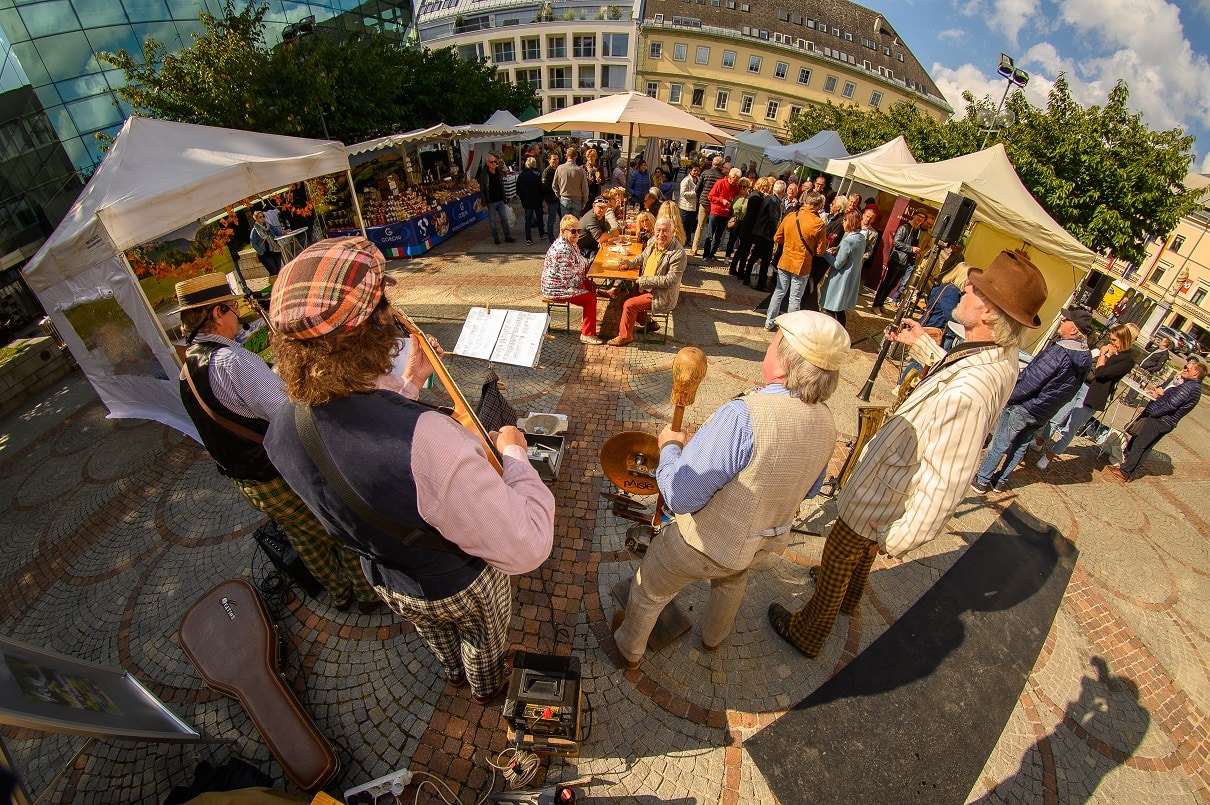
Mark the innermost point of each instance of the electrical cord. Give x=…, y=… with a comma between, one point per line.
x=437, y=784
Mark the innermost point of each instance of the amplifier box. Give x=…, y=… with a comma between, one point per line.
x=543, y=705
x=545, y=454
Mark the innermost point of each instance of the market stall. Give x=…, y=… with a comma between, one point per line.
x=411, y=189
x=162, y=186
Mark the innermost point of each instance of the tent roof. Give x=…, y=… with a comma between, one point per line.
x=893, y=152
x=159, y=176
x=432, y=134
x=506, y=120
x=813, y=153
x=990, y=179
x=758, y=138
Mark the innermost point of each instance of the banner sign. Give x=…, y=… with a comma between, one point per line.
x=416, y=236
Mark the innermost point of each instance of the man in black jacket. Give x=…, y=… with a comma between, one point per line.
x=552, y=200
x=529, y=190
x=705, y=184
x=903, y=256
x=491, y=185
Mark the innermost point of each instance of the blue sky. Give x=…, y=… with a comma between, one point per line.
x=1159, y=47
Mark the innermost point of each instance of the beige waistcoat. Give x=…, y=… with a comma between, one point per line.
x=792, y=442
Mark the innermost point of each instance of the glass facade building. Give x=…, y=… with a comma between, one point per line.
x=56, y=96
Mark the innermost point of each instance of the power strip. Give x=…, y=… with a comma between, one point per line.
x=390, y=784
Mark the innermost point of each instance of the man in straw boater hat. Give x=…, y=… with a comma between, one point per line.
x=779, y=441
x=439, y=531
x=915, y=470
x=230, y=394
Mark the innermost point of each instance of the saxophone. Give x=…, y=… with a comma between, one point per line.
x=869, y=419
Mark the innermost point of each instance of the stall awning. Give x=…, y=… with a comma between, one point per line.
x=433, y=134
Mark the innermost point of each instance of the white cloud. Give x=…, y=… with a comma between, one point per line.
x=956, y=34
x=1010, y=16
x=1205, y=163
x=1143, y=42
x=953, y=81
x=976, y=8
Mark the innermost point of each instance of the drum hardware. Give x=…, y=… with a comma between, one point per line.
x=629, y=460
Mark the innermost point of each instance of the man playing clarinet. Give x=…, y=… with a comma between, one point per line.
x=438, y=529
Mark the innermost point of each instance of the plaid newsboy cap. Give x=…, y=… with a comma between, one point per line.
x=331, y=285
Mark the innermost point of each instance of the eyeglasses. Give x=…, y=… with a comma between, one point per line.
x=224, y=308
x=491, y=162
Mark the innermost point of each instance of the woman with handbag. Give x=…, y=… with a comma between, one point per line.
x=802, y=237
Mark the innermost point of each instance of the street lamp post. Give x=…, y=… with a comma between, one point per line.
x=992, y=123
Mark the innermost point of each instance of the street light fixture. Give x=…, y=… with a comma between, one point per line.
x=990, y=123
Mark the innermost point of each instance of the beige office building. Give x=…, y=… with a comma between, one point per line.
x=743, y=65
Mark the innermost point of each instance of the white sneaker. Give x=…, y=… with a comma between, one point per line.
x=591, y=339
x=1043, y=462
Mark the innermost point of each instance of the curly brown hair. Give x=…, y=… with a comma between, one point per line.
x=334, y=366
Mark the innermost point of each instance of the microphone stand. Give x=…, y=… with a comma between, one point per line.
x=919, y=279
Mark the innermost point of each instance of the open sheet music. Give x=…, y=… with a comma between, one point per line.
x=503, y=336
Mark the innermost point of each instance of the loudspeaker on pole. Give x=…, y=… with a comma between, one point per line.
x=953, y=219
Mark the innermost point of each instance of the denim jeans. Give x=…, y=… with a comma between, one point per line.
x=1075, y=423
x=1013, y=432
x=795, y=284
x=569, y=206
x=552, y=220
x=533, y=217
x=496, y=209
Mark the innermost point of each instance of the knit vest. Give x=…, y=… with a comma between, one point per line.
x=236, y=457
x=369, y=436
x=791, y=445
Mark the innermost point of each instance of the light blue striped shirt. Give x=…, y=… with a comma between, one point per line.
x=242, y=381
x=717, y=453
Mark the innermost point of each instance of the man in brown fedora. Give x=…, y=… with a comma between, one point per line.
x=915, y=470
x=230, y=394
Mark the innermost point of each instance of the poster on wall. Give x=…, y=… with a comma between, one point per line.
x=44, y=690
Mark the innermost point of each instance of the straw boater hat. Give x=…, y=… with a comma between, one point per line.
x=208, y=289
x=1013, y=284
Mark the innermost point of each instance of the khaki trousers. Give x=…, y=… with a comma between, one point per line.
x=669, y=566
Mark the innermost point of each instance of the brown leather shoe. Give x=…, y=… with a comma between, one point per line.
x=369, y=607
x=619, y=615
x=1118, y=475
x=493, y=696
x=619, y=341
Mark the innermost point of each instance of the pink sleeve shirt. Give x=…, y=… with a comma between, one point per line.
x=507, y=521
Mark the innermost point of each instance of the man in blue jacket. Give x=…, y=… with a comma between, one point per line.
x=1051, y=380
x=1160, y=417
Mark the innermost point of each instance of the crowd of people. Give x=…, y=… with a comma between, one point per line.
x=309, y=443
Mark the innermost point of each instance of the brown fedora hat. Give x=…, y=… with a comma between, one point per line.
x=1013, y=284
x=207, y=289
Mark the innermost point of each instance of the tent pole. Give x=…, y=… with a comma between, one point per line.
x=356, y=204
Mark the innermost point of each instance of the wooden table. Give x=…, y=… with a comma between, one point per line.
x=607, y=265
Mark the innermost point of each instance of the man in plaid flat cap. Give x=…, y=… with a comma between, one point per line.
x=439, y=531
x=230, y=394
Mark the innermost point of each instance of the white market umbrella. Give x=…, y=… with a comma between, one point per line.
x=633, y=114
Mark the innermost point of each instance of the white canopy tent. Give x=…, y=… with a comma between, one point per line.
x=814, y=153
x=1006, y=215
x=470, y=152
x=157, y=178
x=893, y=152
x=749, y=146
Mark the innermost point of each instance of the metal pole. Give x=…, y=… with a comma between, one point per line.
x=908, y=302
x=994, y=127
x=356, y=204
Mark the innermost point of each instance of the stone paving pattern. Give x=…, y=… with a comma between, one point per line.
x=111, y=528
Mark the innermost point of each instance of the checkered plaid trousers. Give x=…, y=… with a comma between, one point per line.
x=333, y=565
x=838, y=588
x=467, y=631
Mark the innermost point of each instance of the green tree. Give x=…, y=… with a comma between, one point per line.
x=356, y=89
x=1100, y=172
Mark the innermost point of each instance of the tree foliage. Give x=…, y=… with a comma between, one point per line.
x=1100, y=172
x=360, y=88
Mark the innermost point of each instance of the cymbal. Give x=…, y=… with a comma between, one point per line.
x=629, y=460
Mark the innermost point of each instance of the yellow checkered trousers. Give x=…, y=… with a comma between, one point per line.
x=332, y=564
x=840, y=584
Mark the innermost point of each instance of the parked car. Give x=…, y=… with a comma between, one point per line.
x=1182, y=343
x=601, y=145
x=710, y=151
